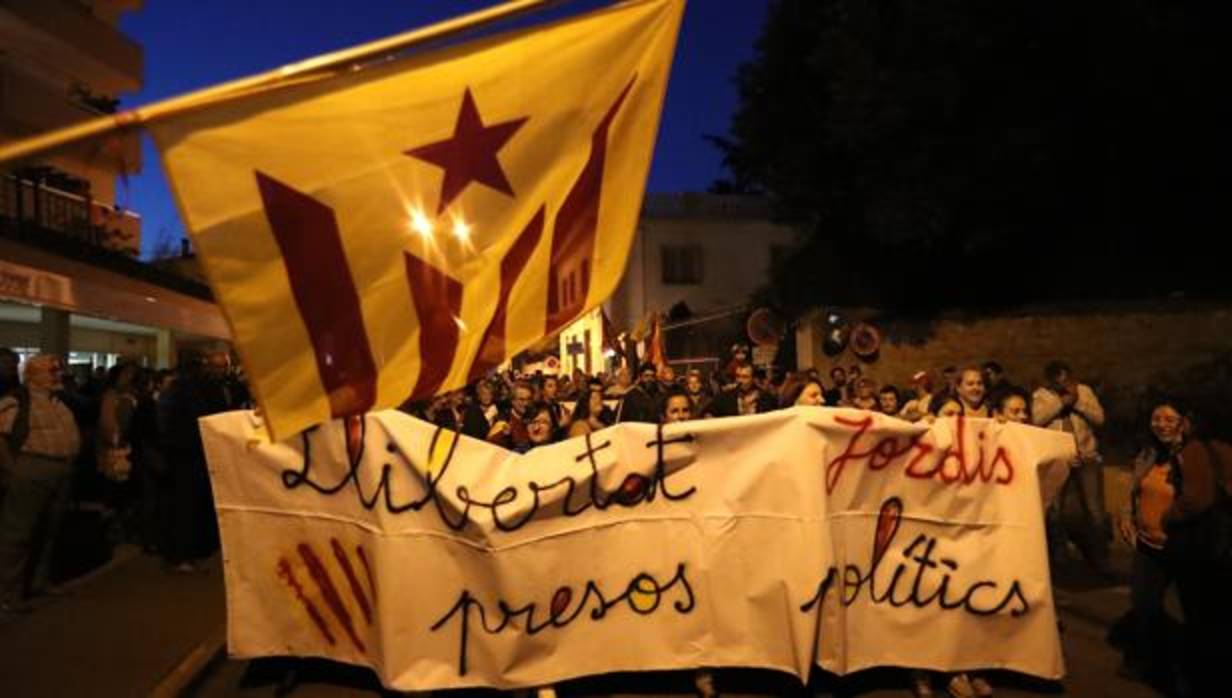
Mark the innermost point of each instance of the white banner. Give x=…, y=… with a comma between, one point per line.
x=807, y=535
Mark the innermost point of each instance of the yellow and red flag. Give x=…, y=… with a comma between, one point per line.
x=397, y=231
x=655, y=352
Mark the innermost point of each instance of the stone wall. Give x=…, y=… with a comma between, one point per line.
x=1127, y=351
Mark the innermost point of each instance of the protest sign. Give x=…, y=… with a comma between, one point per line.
x=810, y=535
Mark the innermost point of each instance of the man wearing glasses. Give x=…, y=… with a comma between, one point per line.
x=510, y=430
x=40, y=441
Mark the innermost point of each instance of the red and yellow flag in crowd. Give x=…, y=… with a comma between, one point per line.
x=397, y=231
x=655, y=352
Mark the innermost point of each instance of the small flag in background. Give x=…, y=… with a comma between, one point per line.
x=655, y=352
x=402, y=229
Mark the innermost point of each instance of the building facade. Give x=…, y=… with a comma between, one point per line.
x=698, y=259
x=69, y=279
x=62, y=62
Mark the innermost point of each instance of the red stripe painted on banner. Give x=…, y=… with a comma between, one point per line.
x=329, y=592
x=492, y=348
x=325, y=295
x=288, y=576
x=438, y=304
x=345, y=563
x=573, y=243
x=363, y=559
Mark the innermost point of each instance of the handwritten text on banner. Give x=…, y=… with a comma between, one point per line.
x=807, y=535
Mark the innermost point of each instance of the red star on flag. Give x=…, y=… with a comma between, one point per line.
x=470, y=154
x=343, y=298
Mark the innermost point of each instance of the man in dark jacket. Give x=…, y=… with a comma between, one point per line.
x=641, y=403
x=482, y=412
x=201, y=390
x=744, y=398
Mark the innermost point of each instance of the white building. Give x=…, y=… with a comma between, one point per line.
x=707, y=251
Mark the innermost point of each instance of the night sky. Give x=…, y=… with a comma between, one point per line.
x=190, y=45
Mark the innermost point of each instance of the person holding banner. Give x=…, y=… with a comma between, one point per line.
x=510, y=430
x=917, y=407
x=591, y=414
x=961, y=685
x=888, y=400
x=482, y=412
x=641, y=403
x=807, y=392
x=865, y=397
x=972, y=391
x=549, y=392
x=698, y=394
x=677, y=407
x=744, y=398
x=1012, y=405
x=622, y=384
x=540, y=427
x=943, y=404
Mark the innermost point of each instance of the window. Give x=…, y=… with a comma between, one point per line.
x=682, y=264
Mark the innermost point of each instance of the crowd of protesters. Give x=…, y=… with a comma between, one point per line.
x=500, y=408
x=1178, y=514
x=128, y=436
x=123, y=437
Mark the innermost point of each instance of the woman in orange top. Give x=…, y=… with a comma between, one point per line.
x=1178, y=480
x=1141, y=526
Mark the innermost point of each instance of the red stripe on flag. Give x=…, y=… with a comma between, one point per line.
x=438, y=303
x=324, y=291
x=577, y=221
x=492, y=349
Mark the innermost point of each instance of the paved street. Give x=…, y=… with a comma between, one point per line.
x=121, y=631
x=136, y=629
x=1091, y=665
x=1086, y=609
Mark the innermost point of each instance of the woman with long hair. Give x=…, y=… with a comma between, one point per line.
x=808, y=392
x=1177, y=521
x=943, y=404
x=590, y=413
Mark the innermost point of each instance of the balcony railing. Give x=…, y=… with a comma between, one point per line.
x=73, y=215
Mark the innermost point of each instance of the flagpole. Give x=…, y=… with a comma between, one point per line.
x=316, y=68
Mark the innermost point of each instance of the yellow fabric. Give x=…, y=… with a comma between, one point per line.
x=344, y=143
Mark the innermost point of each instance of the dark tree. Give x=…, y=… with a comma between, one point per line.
x=958, y=152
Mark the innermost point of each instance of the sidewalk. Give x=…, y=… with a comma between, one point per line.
x=111, y=635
